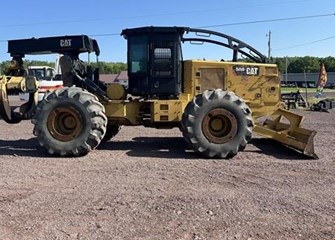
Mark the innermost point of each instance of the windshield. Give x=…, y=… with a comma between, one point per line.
x=138, y=54
x=42, y=73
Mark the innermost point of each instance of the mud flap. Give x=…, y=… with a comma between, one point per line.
x=284, y=126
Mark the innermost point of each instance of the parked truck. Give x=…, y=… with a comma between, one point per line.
x=48, y=79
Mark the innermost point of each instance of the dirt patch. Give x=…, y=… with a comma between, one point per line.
x=146, y=184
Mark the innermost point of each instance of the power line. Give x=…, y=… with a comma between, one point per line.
x=104, y=34
x=240, y=23
x=305, y=44
x=91, y=35
x=269, y=20
x=25, y=24
x=245, y=23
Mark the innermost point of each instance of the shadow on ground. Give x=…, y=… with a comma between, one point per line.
x=277, y=150
x=155, y=147
x=22, y=147
x=176, y=147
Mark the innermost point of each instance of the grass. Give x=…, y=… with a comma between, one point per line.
x=310, y=98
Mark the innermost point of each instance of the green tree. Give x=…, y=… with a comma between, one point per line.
x=27, y=63
x=110, y=67
x=281, y=63
x=104, y=67
x=329, y=63
x=295, y=64
x=3, y=66
x=301, y=64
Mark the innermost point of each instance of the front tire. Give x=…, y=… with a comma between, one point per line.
x=69, y=122
x=217, y=124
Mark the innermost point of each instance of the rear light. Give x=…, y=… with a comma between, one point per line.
x=48, y=88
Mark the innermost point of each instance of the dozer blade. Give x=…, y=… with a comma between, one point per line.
x=284, y=126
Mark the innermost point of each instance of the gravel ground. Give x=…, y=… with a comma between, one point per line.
x=146, y=184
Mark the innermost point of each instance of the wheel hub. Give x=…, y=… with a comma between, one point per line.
x=64, y=124
x=219, y=126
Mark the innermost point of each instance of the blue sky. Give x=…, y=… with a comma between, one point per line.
x=313, y=35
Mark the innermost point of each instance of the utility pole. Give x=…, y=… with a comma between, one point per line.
x=286, y=65
x=269, y=45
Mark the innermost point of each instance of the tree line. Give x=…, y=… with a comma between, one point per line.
x=104, y=67
x=306, y=64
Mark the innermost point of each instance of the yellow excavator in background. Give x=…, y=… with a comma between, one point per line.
x=217, y=105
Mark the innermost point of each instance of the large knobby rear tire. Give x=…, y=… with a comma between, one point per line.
x=217, y=124
x=69, y=122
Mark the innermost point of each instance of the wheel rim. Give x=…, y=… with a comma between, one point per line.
x=219, y=126
x=64, y=124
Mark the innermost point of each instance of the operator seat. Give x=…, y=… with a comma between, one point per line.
x=15, y=67
x=65, y=63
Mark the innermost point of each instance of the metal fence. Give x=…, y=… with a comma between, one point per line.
x=306, y=79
